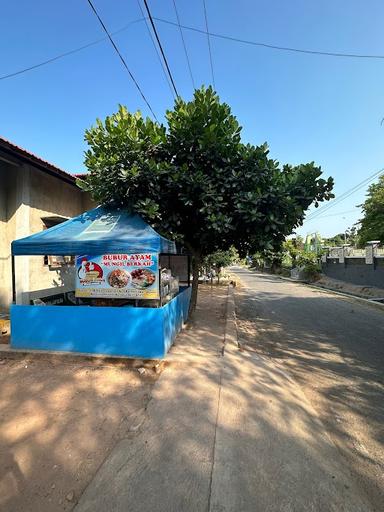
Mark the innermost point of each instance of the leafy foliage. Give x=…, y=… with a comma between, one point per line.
x=309, y=263
x=292, y=254
x=335, y=241
x=196, y=181
x=294, y=247
x=220, y=259
x=349, y=236
x=372, y=224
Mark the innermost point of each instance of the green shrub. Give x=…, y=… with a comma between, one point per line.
x=310, y=264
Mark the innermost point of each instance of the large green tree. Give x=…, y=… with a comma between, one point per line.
x=372, y=224
x=194, y=180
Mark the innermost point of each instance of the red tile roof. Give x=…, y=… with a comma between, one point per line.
x=18, y=152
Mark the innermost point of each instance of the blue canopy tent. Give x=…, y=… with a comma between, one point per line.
x=97, y=231
x=124, y=331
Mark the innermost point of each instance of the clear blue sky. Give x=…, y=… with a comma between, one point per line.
x=306, y=107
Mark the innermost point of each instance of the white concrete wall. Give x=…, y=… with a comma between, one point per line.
x=5, y=268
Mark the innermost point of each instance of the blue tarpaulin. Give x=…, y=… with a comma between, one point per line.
x=98, y=231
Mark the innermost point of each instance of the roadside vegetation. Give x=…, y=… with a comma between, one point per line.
x=215, y=263
x=194, y=180
x=297, y=253
x=292, y=254
x=372, y=223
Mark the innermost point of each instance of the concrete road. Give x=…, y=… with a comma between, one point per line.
x=334, y=348
x=225, y=431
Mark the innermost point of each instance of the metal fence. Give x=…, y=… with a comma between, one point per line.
x=351, y=252
x=354, y=253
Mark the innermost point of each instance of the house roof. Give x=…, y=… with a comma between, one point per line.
x=11, y=149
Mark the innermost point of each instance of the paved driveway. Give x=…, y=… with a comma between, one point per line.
x=334, y=347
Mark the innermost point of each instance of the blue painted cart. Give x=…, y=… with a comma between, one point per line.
x=142, y=332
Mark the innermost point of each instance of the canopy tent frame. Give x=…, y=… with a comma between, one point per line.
x=146, y=332
x=96, y=231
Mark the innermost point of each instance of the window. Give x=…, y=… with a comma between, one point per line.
x=54, y=262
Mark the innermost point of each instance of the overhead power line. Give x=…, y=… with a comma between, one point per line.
x=326, y=208
x=209, y=43
x=122, y=58
x=274, y=47
x=338, y=214
x=184, y=45
x=221, y=36
x=156, y=49
x=69, y=52
x=160, y=46
x=345, y=195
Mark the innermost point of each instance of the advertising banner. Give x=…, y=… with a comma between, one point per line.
x=132, y=276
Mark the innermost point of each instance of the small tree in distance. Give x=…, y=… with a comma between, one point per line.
x=195, y=181
x=220, y=259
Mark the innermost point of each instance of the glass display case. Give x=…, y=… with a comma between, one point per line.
x=169, y=285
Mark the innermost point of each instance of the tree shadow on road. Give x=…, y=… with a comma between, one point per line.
x=167, y=463
x=270, y=449
x=334, y=349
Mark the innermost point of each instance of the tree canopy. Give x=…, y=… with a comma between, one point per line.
x=220, y=259
x=194, y=179
x=372, y=224
x=335, y=241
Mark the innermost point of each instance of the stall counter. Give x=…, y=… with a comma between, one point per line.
x=145, y=333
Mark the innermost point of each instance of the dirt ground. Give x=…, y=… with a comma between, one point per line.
x=5, y=327
x=60, y=417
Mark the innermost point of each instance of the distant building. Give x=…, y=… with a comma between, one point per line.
x=313, y=243
x=34, y=195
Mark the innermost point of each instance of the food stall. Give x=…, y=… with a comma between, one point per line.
x=125, y=301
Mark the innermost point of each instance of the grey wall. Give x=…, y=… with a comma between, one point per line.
x=8, y=178
x=356, y=271
x=27, y=194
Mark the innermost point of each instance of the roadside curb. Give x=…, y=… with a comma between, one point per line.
x=230, y=338
x=230, y=333
x=323, y=289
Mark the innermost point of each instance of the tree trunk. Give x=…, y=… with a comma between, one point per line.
x=196, y=264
